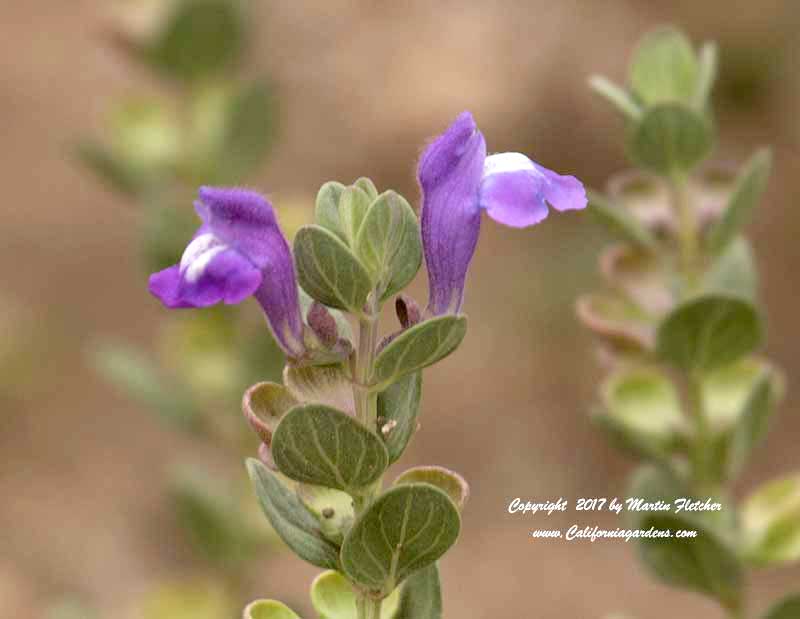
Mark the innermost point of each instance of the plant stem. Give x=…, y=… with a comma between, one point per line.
x=687, y=230
x=366, y=403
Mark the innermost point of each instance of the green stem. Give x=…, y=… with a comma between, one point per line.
x=688, y=236
x=366, y=402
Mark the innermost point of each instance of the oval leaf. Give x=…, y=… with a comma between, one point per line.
x=620, y=222
x=733, y=271
x=326, y=212
x=703, y=563
x=323, y=384
x=317, y=444
x=771, y=522
x=642, y=409
x=418, y=347
x=671, y=138
x=398, y=408
x=328, y=270
x=421, y=595
x=332, y=508
x=333, y=598
x=664, y=67
x=263, y=405
x=449, y=482
x=268, y=609
x=388, y=243
x=353, y=205
x=750, y=184
x=708, y=332
x=406, y=529
x=291, y=521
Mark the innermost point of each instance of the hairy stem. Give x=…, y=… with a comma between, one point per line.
x=366, y=402
x=688, y=234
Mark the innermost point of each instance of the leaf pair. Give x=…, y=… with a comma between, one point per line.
x=362, y=242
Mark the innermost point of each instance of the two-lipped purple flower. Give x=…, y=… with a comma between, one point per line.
x=458, y=181
x=239, y=250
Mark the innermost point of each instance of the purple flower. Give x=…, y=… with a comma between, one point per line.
x=239, y=251
x=458, y=180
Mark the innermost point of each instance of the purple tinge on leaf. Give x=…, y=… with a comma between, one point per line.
x=238, y=251
x=457, y=181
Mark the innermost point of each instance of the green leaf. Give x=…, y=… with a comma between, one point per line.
x=263, y=405
x=750, y=184
x=708, y=332
x=642, y=410
x=653, y=483
x=317, y=444
x=754, y=421
x=421, y=595
x=449, y=482
x=405, y=529
x=733, y=271
x=398, y=408
x=208, y=512
x=326, y=384
x=787, y=608
x=249, y=131
x=326, y=212
x=771, y=522
x=617, y=96
x=200, y=39
x=388, y=243
x=353, y=205
x=333, y=598
x=418, y=347
x=620, y=222
x=269, y=609
x=664, y=67
x=332, y=508
x=670, y=139
x=706, y=76
x=703, y=563
x=112, y=169
x=328, y=270
x=366, y=185
x=291, y=521
x=131, y=370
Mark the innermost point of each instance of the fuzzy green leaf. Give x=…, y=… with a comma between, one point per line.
x=733, y=271
x=750, y=185
x=388, y=243
x=771, y=522
x=333, y=598
x=670, y=138
x=332, y=508
x=292, y=522
x=398, y=408
x=328, y=271
x=706, y=76
x=754, y=421
x=703, y=563
x=617, y=96
x=404, y=530
x=664, y=67
x=421, y=595
x=620, y=221
x=708, y=332
x=269, y=609
x=353, y=205
x=201, y=38
x=317, y=444
x=418, y=347
x=326, y=212
x=366, y=185
x=642, y=411
x=449, y=482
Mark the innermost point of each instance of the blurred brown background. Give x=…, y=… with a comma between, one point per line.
x=362, y=86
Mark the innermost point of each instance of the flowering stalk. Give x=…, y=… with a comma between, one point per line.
x=679, y=328
x=345, y=412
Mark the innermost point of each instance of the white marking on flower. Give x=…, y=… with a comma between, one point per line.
x=508, y=162
x=198, y=255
